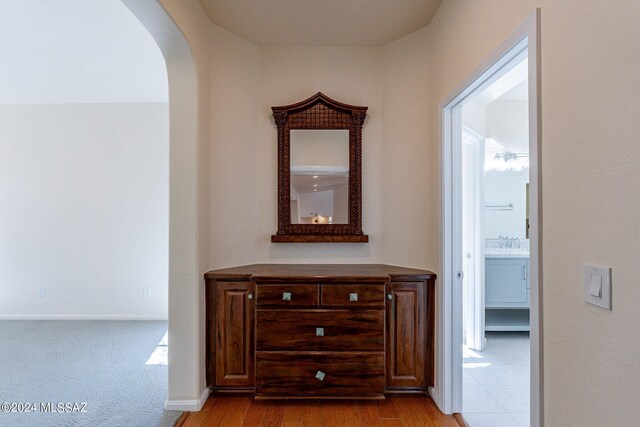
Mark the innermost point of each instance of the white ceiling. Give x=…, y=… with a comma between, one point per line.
x=509, y=133
x=308, y=184
x=321, y=22
x=519, y=92
x=510, y=86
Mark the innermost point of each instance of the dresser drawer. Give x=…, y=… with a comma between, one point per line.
x=320, y=330
x=287, y=295
x=353, y=295
x=319, y=374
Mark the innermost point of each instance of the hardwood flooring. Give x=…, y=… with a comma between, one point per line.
x=244, y=411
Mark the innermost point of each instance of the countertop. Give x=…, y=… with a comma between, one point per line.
x=506, y=253
x=306, y=272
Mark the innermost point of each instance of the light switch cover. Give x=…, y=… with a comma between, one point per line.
x=597, y=286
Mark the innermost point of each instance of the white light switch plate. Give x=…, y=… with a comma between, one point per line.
x=597, y=286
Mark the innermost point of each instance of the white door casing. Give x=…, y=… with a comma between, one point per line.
x=473, y=238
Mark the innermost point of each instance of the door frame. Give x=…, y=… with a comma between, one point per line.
x=473, y=277
x=448, y=390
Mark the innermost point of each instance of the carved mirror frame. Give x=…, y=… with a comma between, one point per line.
x=320, y=112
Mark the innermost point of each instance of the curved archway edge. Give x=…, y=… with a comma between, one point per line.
x=186, y=385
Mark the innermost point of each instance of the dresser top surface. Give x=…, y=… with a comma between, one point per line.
x=382, y=272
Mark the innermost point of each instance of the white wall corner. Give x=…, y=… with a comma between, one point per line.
x=188, y=405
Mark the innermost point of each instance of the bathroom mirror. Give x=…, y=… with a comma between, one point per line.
x=319, y=171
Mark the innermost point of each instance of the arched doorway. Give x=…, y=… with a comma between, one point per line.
x=186, y=317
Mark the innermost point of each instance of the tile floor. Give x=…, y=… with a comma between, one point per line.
x=496, y=382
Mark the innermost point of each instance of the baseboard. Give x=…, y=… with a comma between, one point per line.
x=437, y=398
x=79, y=317
x=187, y=405
x=433, y=392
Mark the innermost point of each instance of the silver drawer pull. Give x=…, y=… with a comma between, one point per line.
x=320, y=375
x=250, y=296
x=286, y=296
x=389, y=296
x=319, y=332
x=353, y=297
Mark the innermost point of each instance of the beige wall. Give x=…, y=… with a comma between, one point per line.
x=238, y=188
x=293, y=74
x=318, y=147
x=410, y=169
x=230, y=178
x=590, y=179
x=590, y=166
x=84, y=191
x=340, y=205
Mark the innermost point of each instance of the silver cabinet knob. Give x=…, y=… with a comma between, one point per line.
x=286, y=296
x=389, y=296
x=353, y=297
x=250, y=296
x=320, y=375
x=319, y=332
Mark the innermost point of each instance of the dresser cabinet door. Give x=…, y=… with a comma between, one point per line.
x=406, y=335
x=234, y=334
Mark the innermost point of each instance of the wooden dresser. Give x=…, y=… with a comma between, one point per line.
x=320, y=331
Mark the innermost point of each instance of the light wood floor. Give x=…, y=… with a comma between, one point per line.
x=230, y=411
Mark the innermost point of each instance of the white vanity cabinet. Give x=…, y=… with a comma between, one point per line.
x=507, y=294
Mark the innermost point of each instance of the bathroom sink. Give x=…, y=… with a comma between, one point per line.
x=506, y=253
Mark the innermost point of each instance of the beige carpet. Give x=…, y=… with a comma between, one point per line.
x=103, y=364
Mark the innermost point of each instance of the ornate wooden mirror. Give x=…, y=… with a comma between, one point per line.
x=319, y=171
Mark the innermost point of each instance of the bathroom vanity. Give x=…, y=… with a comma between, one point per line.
x=507, y=291
x=320, y=331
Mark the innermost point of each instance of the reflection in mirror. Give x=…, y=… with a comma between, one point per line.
x=319, y=176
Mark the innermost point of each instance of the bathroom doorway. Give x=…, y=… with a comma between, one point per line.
x=495, y=250
x=490, y=282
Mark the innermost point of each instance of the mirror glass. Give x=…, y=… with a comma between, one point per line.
x=319, y=167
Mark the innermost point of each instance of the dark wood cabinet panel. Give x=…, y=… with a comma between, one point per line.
x=319, y=374
x=320, y=330
x=314, y=331
x=352, y=296
x=406, y=335
x=234, y=334
x=210, y=312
